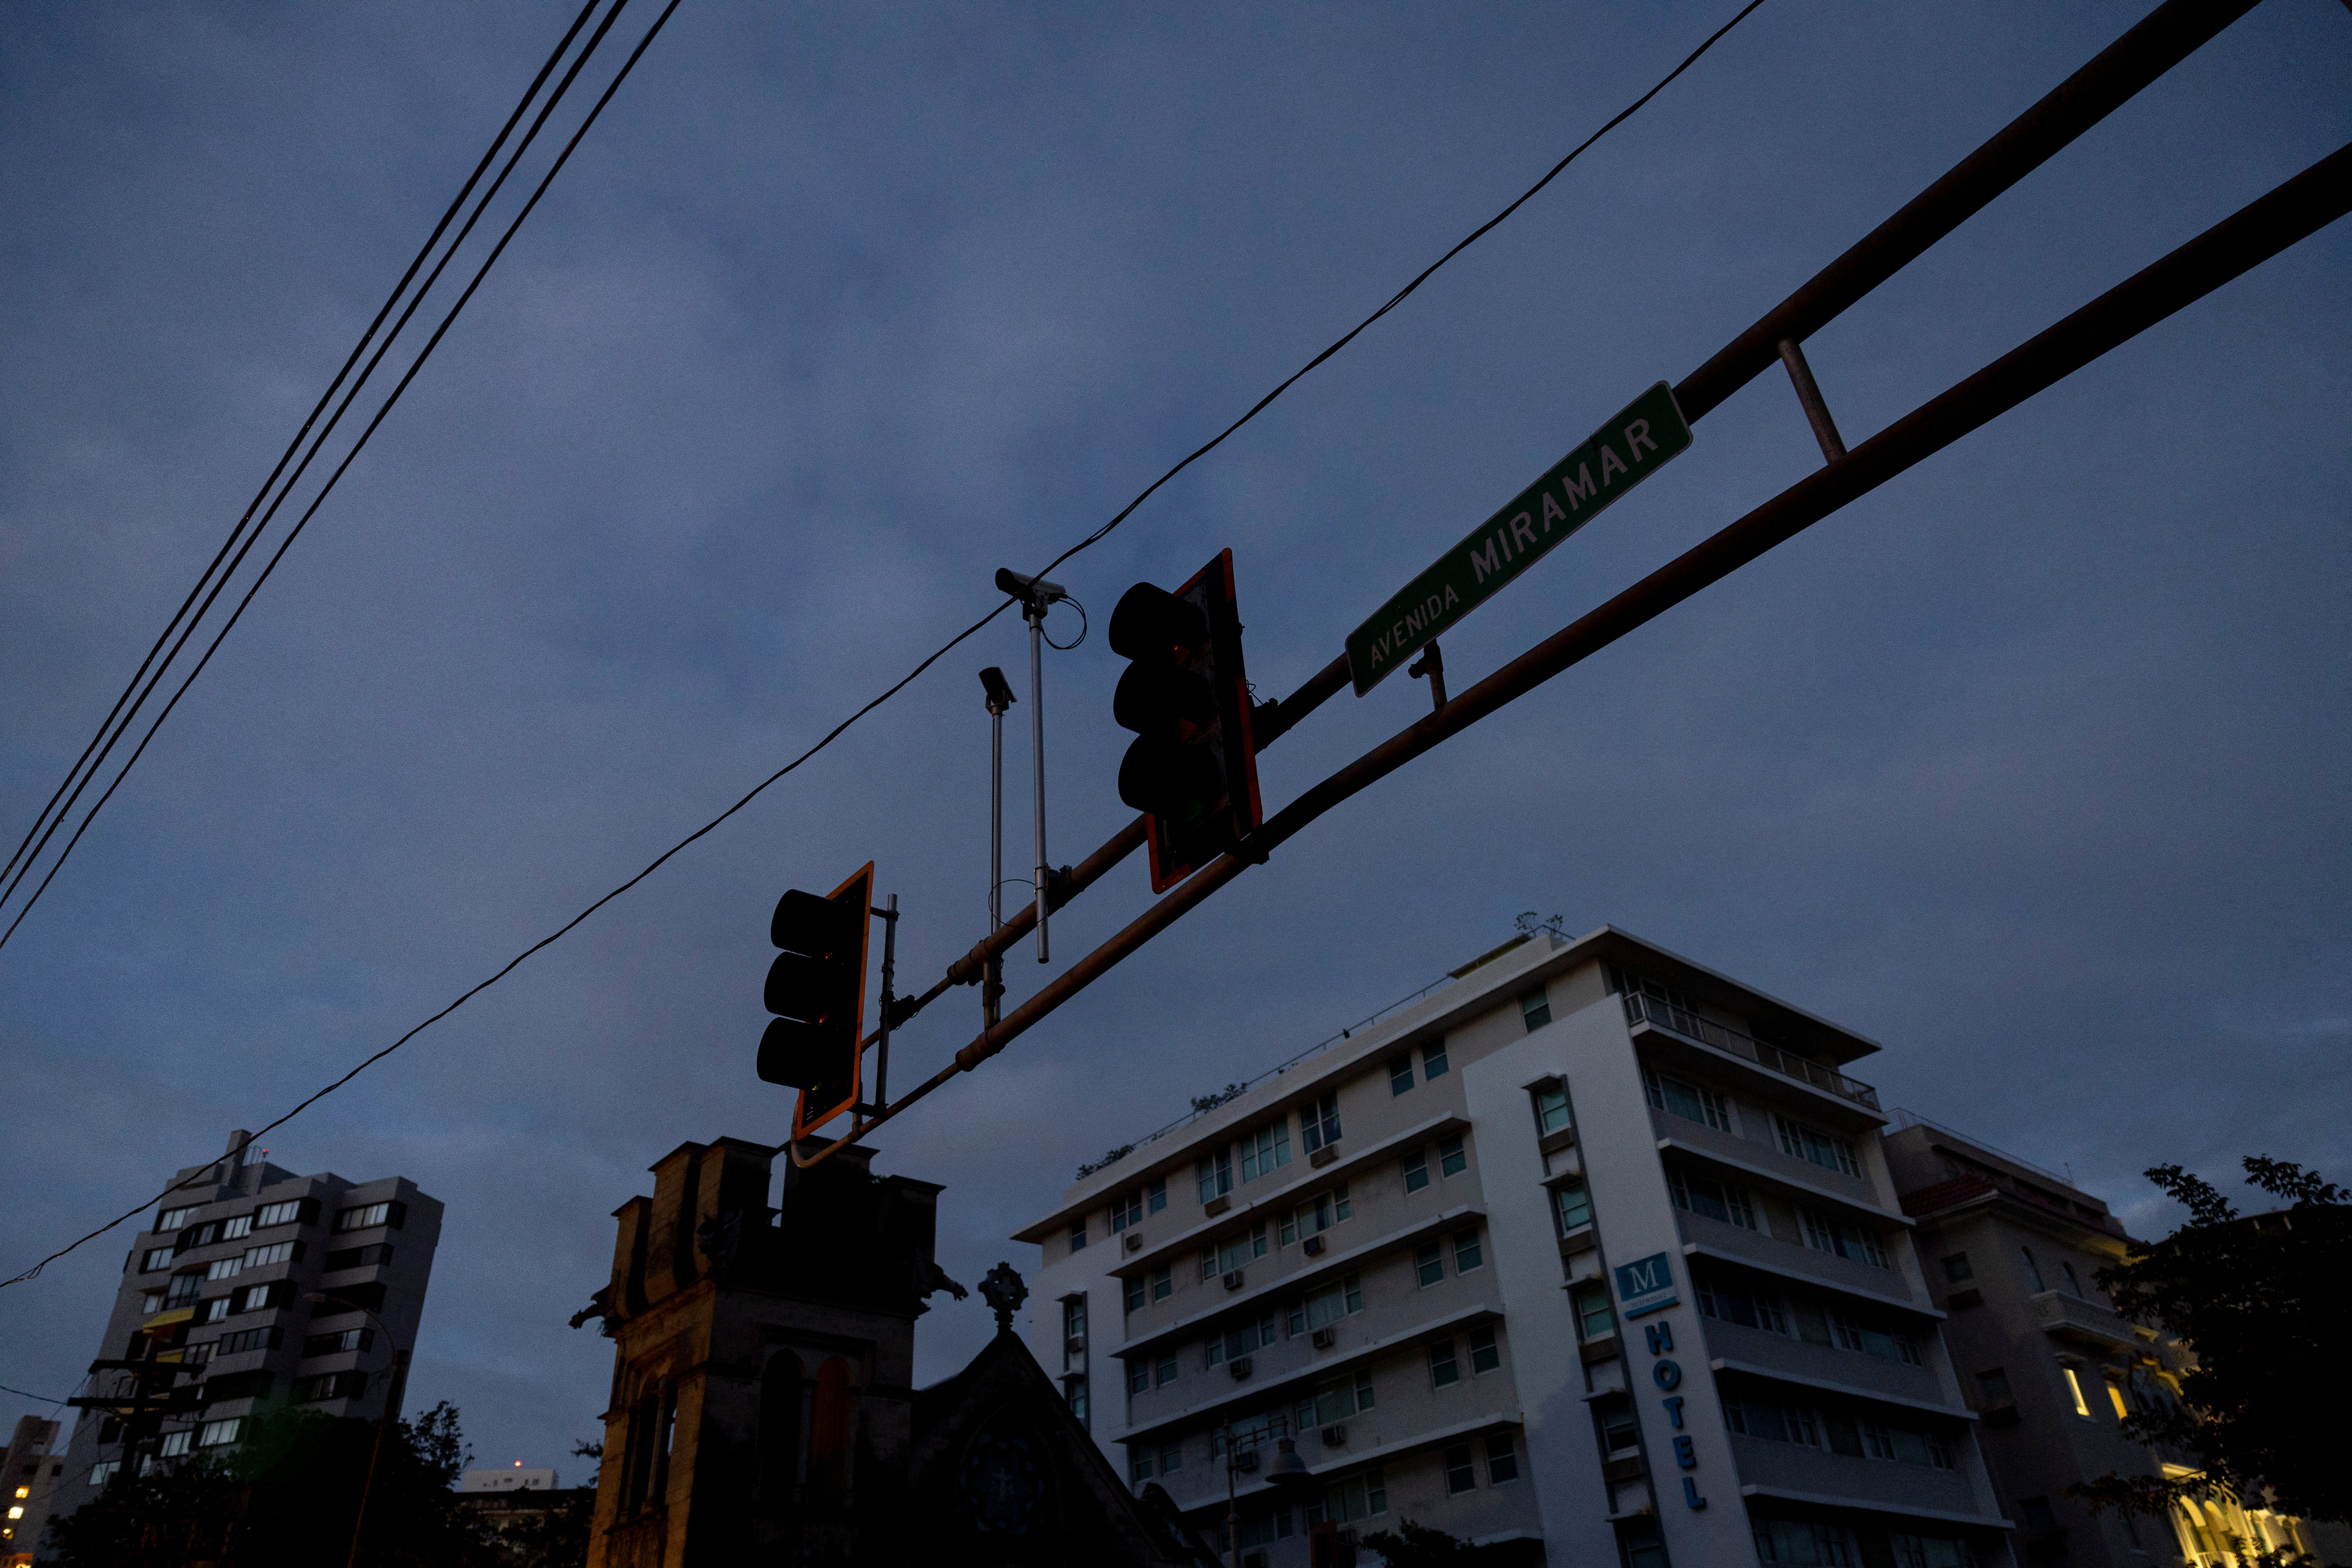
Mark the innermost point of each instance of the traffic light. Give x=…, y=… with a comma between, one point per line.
x=1193, y=768
x=817, y=988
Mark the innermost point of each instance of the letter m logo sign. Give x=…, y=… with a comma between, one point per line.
x=1646, y=1285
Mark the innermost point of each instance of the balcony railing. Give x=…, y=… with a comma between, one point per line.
x=2060, y=1314
x=1640, y=1008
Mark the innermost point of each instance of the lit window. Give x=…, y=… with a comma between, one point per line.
x=2115, y=1398
x=15, y=1513
x=2075, y=1387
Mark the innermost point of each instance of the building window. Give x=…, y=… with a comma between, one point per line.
x=173, y=1219
x=174, y=1443
x=1483, y=1354
x=1955, y=1268
x=1502, y=1459
x=2075, y=1388
x=1779, y=1540
x=1125, y=1209
x=1163, y=1282
x=1571, y=1205
x=1993, y=1386
x=1594, y=1320
x=1334, y=1399
x=1234, y=1253
x=277, y=1252
x=1164, y=1372
x=1675, y=1097
x=1344, y=1502
x=1816, y=1147
x=1223, y=1348
x=2033, y=1270
x=1078, y=1234
x=103, y=1472
x=1461, y=1475
x=1318, y=1214
x=322, y=1386
x=1318, y=1125
x=216, y=1433
x=1452, y=1158
x=1535, y=1009
x=1416, y=1170
x=367, y=1216
x=287, y=1213
x=1944, y=1552
x=1074, y=1318
x=1215, y=1173
x=1136, y=1293
x=1466, y=1253
x=225, y=1269
x=237, y=1228
x=246, y=1340
x=1443, y=1370
x=157, y=1257
x=1155, y=1195
x=2074, y=1286
x=1138, y=1465
x=1074, y=1391
x=1265, y=1151
x=1618, y=1432
x=1400, y=1075
x=1320, y=1309
x=1731, y=1206
x=1735, y=1303
x=1551, y=1108
x=1432, y=1061
x=2115, y=1397
x=1826, y=1233
x=1429, y=1263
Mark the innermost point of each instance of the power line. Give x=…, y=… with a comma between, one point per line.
x=907, y=679
x=455, y=203
x=360, y=443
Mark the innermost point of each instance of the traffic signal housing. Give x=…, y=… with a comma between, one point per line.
x=816, y=986
x=1193, y=768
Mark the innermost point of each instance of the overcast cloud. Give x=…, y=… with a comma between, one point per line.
x=2031, y=766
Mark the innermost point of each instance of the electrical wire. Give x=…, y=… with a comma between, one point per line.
x=359, y=445
x=455, y=203
x=909, y=677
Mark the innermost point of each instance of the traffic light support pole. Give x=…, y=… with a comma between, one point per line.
x=1036, y=614
x=2313, y=199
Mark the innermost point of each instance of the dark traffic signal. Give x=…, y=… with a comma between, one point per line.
x=1193, y=768
x=817, y=988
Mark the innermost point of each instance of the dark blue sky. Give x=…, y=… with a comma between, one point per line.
x=2031, y=765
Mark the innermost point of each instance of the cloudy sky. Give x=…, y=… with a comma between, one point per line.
x=2031, y=765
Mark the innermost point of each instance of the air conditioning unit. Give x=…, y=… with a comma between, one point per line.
x=1241, y=1365
x=1325, y=1155
x=1333, y=1436
x=1134, y=1242
x=1325, y=1338
x=1246, y=1461
x=1234, y=1279
x=1076, y=1344
x=1314, y=1245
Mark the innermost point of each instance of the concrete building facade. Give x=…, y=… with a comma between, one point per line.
x=2013, y=1251
x=32, y=1473
x=213, y=1312
x=1593, y=1249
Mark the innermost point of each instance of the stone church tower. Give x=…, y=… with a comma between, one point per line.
x=762, y=1409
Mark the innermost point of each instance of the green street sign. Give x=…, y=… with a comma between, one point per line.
x=1642, y=438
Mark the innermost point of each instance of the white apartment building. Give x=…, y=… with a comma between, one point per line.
x=1594, y=1249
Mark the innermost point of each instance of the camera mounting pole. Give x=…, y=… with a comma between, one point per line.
x=1037, y=596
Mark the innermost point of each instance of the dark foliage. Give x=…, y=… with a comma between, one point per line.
x=2256, y=1297
x=1413, y=1545
x=290, y=1497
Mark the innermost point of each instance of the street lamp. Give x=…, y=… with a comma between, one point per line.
x=398, y=1379
x=1287, y=1474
